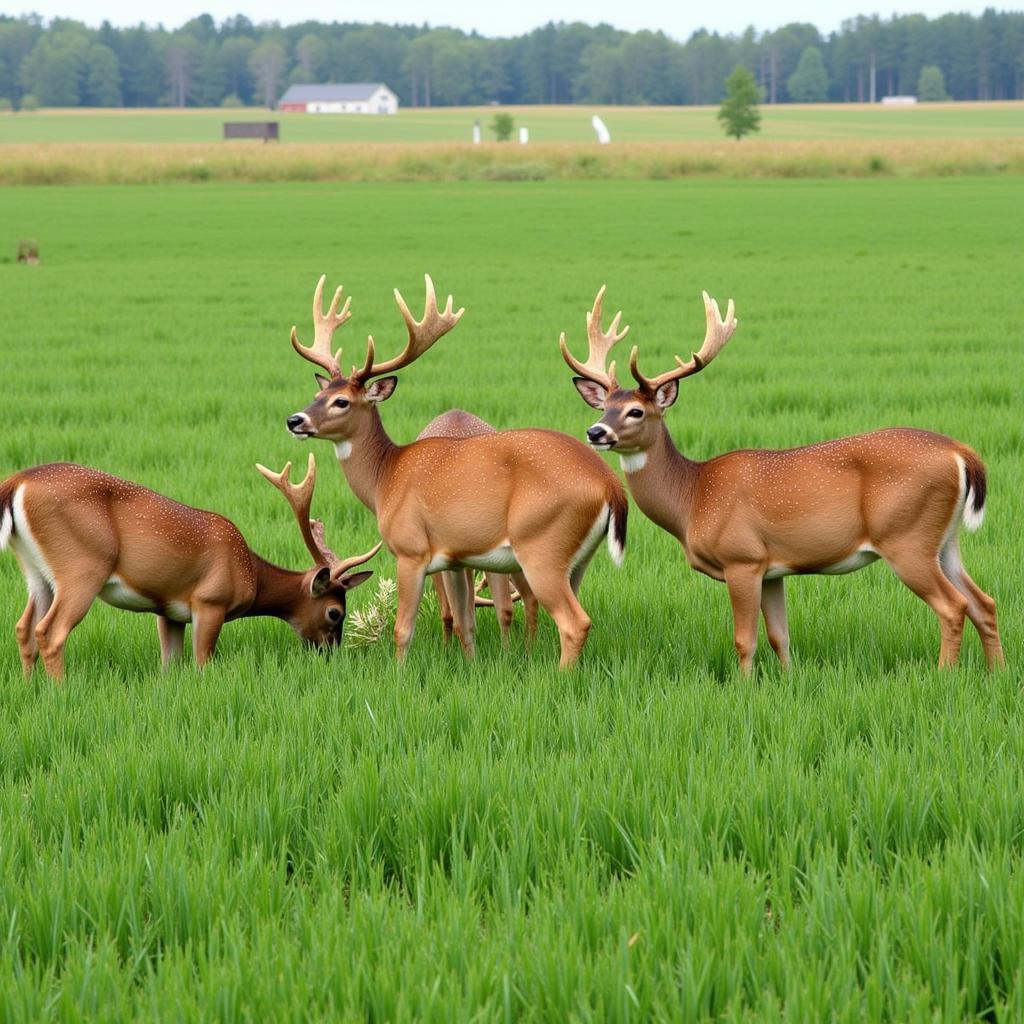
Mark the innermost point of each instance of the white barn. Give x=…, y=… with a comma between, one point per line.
x=347, y=98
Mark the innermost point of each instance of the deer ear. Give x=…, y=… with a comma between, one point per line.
x=321, y=582
x=354, y=579
x=593, y=394
x=381, y=390
x=666, y=394
x=322, y=381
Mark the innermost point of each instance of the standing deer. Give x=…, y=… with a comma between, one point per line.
x=456, y=423
x=751, y=518
x=534, y=500
x=79, y=534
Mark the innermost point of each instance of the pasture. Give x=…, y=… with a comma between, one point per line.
x=649, y=836
x=783, y=123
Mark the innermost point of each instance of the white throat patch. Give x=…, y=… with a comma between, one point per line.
x=633, y=463
x=343, y=449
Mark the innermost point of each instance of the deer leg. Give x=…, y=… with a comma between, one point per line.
x=462, y=598
x=172, y=639
x=923, y=575
x=500, y=586
x=529, y=606
x=442, y=602
x=207, y=620
x=981, y=609
x=67, y=610
x=773, y=608
x=410, y=592
x=744, y=583
x=550, y=584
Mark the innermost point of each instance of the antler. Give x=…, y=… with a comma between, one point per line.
x=339, y=566
x=324, y=326
x=300, y=497
x=718, y=332
x=422, y=334
x=600, y=343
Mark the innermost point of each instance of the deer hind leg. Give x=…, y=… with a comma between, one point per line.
x=981, y=609
x=744, y=583
x=500, y=586
x=447, y=619
x=529, y=606
x=550, y=585
x=70, y=603
x=921, y=572
x=773, y=608
x=411, y=578
x=462, y=596
x=172, y=639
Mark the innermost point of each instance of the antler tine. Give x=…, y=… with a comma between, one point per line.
x=300, y=497
x=716, y=336
x=324, y=326
x=340, y=566
x=600, y=344
x=422, y=333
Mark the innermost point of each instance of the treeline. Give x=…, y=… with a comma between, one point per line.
x=66, y=64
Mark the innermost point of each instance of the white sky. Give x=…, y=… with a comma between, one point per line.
x=501, y=19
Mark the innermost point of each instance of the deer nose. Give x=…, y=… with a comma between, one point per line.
x=596, y=433
x=296, y=420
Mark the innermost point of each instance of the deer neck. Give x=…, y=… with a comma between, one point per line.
x=277, y=590
x=366, y=459
x=662, y=481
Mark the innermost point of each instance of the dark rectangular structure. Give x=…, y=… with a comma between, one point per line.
x=265, y=130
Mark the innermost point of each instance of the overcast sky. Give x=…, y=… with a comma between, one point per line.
x=502, y=19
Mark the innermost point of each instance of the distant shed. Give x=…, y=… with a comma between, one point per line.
x=348, y=98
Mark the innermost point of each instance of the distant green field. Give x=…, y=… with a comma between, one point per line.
x=546, y=124
x=290, y=837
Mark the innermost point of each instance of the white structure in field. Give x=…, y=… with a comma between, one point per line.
x=603, y=135
x=898, y=101
x=350, y=98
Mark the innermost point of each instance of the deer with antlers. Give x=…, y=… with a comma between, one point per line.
x=530, y=500
x=79, y=534
x=457, y=423
x=751, y=518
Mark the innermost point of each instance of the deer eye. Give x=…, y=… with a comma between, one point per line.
x=340, y=403
x=334, y=615
x=635, y=414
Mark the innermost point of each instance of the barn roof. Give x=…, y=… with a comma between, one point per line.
x=346, y=92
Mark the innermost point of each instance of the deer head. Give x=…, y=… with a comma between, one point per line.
x=632, y=417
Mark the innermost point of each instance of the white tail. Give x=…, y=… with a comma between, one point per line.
x=6, y=526
x=615, y=548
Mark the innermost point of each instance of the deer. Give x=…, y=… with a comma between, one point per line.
x=79, y=534
x=458, y=423
x=531, y=500
x=751, y=518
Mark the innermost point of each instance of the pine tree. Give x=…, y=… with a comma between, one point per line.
x=739, y=114
x=809, y=83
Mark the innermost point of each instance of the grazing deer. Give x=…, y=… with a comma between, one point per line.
x=530, y=500
x=79, y=534
x=457, y=423
x=751, y=518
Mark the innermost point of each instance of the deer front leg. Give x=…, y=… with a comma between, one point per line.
x=773, y=608
x=207, y=620
x=172, y=639
x=411, y=578
x=744, y=583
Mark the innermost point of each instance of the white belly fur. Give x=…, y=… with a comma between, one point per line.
x=115, y=592
x=499, y=559
x=859, y=559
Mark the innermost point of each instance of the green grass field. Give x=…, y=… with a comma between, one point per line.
x=546, y=124
x=649, y=836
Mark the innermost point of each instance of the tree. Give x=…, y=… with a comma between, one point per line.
x=182, y=56
x=739, y=114
x=267, y=66
x=103, y=77
x=503, y=126
x=931, y=85
x=311, y=57
x=809, y=83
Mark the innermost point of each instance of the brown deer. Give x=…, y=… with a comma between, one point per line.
x=530, y=500
x=79, y=534
x=458, y=423
x=751, y=518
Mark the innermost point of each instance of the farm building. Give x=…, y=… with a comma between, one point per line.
x=347, y=98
